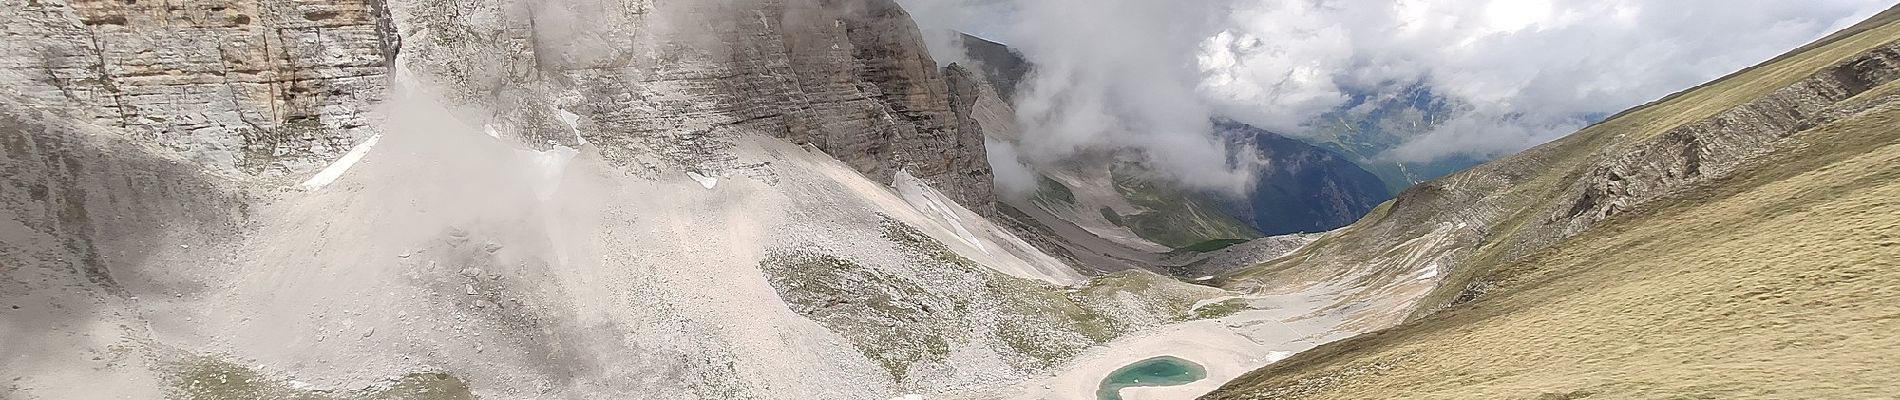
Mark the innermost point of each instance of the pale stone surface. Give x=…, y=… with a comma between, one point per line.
x=263, y=87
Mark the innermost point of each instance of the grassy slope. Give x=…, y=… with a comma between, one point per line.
x=1175, y=218
x=1509, y=194
x=1575, y=153
x=1779, y=283
x=1700, y=259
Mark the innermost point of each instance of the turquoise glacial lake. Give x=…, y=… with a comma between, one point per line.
x=1158, y=371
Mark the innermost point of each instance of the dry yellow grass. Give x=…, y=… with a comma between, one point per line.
x=1582, y=149
x=1781, y=282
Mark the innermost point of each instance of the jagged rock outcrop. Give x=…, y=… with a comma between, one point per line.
x=1001, y=65
x=851, y=78
x=1718, y=145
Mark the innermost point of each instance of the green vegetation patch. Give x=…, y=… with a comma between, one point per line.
x=1222, y=309
x=893, y=321
x=1173, y=217
x=208, y=378
x=1211, y=245
x=1113, y=218
x=1162, y=297
x=1049, y=190
x=1035, y=319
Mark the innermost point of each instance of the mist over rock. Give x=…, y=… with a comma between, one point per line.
x=1296, y=188
x=280, y=87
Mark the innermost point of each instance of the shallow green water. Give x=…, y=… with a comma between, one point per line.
x=1158, y=371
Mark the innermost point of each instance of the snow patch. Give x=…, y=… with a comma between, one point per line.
x=1276, y=356
x=573, y=122
x=704, y=180
x=927, y=199
x=336, y=169
x=1430, y=271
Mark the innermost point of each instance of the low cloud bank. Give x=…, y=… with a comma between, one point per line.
x=1149, y=74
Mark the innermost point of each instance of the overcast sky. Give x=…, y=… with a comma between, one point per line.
x=1147, y=73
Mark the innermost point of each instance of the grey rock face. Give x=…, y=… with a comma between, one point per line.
x=74, y=188
x=1719, y=145
x=667, y=83
x=281, y=87
x=1001, y=65
x=265, y=87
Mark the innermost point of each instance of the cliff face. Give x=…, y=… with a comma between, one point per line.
x=264, y=87
x=144, y=209
x=851, y=78
x=1001, y=65
x=276, y=88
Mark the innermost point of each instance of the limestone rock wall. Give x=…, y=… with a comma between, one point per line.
x=664, y=85
x=1719, y=145
x=278, y=88
x=265, y=87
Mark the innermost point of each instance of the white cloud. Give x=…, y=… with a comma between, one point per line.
x=1528, y=70
x=941, y=20
x=1150, y=73
x=1121, y=73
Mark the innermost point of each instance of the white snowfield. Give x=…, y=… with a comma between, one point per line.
x=342, y=165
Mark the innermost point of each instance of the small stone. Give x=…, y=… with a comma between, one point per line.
x=470, y=289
